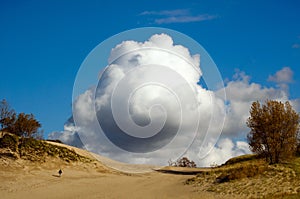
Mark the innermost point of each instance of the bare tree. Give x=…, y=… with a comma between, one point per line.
x=7, y=115
x=274, y=130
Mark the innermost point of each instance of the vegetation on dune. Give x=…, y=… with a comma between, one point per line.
x=274, y=169
x=251, y=177
x=24, y=138
x=241, y=158
x=183, y=162
x=9, y=141
x=245, y=166
x=21, y=124
x=274, y=130
x=37, y=150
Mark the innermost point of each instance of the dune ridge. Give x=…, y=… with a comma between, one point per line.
x=23, y=178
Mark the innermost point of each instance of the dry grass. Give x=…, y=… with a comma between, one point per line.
x=36, y=150
x=249, y=177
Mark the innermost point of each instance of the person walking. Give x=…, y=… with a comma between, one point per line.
x=59, y=172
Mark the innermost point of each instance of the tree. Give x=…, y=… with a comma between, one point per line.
x=274, y=130
x=183, y=162
x=7, y=115
x=25, y=125
x=22, y=124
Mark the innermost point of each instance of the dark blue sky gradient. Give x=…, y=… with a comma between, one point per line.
x=43, y=43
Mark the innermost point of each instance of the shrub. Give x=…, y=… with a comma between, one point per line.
x=9, y=141
x=183, y=162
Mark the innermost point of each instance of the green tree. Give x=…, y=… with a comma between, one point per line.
x=274, y=130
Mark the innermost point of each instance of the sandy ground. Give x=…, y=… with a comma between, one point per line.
x=36, y=182
x=24, y=179
x=109, y=163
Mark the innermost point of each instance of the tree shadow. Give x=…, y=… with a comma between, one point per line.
x=56, y=175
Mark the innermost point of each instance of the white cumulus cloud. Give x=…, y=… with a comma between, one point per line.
x=282, y=78
x=285, y=75
x=153, y=86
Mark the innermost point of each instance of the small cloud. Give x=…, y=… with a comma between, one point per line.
x=282, y=78
x=176, y=16
x=285, y=75
x=184, y=19
x=177, y=12
x=296, y=46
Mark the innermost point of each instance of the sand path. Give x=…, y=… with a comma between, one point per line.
x=79, y=183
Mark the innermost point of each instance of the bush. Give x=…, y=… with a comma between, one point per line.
x=183, y=162
x=31, y=149
x=9, y=141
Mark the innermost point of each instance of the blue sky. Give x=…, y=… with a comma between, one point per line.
x=43, y=43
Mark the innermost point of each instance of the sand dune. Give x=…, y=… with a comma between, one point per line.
x=112, y=164
x=24, y=179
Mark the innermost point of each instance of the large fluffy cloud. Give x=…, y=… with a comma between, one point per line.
x=151, y=87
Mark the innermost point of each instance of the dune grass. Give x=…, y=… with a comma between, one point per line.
x=38, y=150
x=251, y=177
